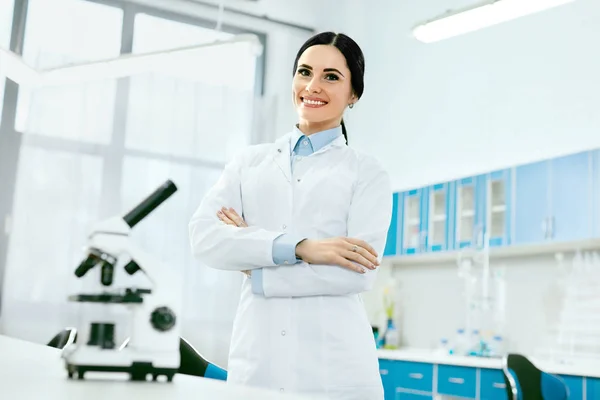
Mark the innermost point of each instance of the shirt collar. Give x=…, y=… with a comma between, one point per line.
x=317, y=140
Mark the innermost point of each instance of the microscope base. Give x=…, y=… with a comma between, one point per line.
x=138, y=371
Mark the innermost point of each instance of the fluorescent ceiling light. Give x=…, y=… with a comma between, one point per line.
x=14, y=67
x=481, y=16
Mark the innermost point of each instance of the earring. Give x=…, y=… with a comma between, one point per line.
x=351, y=105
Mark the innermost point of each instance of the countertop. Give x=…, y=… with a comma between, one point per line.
x=588, y=368
x=35, y=371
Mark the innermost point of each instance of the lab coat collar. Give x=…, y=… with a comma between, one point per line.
x=317, y=140
x=282, y=153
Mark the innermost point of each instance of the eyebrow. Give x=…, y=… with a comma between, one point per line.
x=325, y=70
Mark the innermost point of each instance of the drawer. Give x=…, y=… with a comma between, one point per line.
x=415, y=376
x=412, y=396
x=492, y=384
x=575, y=386
x=457, y=381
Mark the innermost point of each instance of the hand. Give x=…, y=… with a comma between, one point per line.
x=230, y=217
x=346, y=252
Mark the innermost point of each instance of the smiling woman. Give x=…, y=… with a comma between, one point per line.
x=306, y=219
x=328, y=77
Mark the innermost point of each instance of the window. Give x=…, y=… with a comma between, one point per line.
x=60, y=33
x=98, y=148
x=202, y=110
x=6, y=15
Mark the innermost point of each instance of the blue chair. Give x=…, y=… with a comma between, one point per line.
x=524, y=381
x=192, y=362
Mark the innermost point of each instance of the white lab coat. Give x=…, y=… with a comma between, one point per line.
x=310, y=333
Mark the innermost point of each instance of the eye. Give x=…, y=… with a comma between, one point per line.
x=303, y=72
x=332, y=77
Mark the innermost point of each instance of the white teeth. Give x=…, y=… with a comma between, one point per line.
x=314, y=102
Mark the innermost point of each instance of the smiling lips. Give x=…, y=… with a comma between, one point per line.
x=312, y=102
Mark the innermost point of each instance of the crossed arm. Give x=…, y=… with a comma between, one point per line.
x=327, y=267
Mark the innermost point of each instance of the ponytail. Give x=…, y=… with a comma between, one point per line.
x=344, y=131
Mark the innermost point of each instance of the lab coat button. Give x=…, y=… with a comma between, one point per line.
x=281, y=390
x=284, y=226
x=282, y=333
x=298, y=179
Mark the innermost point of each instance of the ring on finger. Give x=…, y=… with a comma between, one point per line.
x=355, y=248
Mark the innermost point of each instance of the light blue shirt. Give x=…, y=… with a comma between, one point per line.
x=284, y=246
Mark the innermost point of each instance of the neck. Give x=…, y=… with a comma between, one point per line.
x=308, y=128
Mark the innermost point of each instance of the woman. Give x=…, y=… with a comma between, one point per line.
x=306, y=218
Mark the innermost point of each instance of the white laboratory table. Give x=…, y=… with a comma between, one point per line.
x=588, y=368
x=34, y=371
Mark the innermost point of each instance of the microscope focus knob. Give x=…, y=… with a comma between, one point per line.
x=162, y=319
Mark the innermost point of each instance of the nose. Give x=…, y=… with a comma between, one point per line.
x=313, y=86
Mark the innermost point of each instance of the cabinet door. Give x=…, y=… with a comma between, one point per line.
x=574, y=385
x=497, y=198
x=438, y=217
x=465, y=212
x=596, y=193
x=592, y=388
x=414, y=221
x=388, y=372
x=394, y=230
x=532, y=203
x=492, y=386
x=571, y=197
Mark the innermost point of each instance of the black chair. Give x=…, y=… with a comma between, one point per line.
x=524, y=381
x=192, y=362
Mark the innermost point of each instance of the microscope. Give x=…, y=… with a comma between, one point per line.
x=152, y=349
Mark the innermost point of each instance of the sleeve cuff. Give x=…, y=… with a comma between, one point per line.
x=256, y=279
x=284, y=249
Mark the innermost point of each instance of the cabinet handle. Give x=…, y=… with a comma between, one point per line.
x=459, y=381
x=499, y=385
x=416, y=376
x=551, y=227
x=383, y=371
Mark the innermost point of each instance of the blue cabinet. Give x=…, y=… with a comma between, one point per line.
x=595, y=193
x=496, y=205
x=571, y=197
x=532, y=185
x=457, y=381
x=467, y=212
x=393, y=231
x=575, y=386
x=403, y=379
x=554, y=199
x=420, y=380
x=492, y=386
x=414, y=221
x=592, y=389
x=438, y=217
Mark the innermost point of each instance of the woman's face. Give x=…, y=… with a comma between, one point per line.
x=321, y=87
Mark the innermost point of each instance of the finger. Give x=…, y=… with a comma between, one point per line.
x=225, y=219
x=358, y=258
x=363, y=244
x=230, y=212
x=342, y=262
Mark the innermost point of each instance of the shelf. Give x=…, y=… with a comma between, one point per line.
x=495, y=252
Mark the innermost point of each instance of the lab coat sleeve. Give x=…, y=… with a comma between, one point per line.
x=368, y=219
x=223, y=246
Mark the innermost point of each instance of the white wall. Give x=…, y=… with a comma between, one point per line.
x=514, y=93
x=430, y=302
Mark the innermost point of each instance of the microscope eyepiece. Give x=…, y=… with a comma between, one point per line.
x=86, y=265
x=149, y=204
